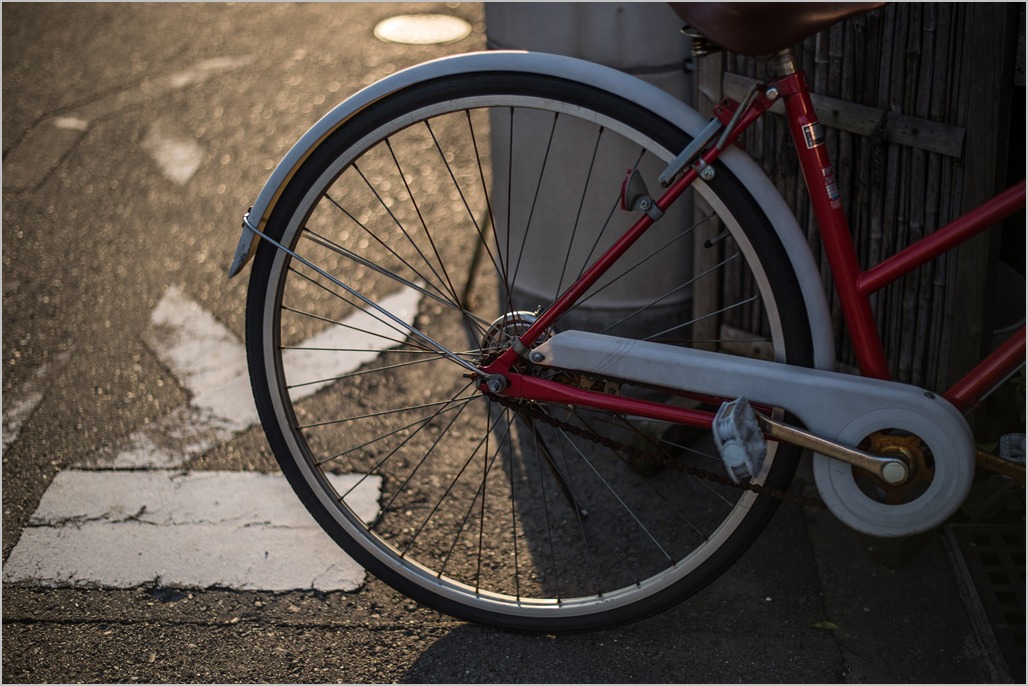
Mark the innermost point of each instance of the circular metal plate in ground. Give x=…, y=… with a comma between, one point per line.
x=422, y=29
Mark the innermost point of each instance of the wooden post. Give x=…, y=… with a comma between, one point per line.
x=989, y=50
x=708, y=94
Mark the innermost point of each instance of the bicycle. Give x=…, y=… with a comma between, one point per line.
x=465, y=394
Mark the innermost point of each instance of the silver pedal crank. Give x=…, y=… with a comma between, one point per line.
x=739, y=436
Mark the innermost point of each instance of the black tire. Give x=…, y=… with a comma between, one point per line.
x=472, y=508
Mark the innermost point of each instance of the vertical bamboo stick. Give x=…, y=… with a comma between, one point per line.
x=927, y=193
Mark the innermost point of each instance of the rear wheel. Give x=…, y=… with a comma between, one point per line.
x=424, y=235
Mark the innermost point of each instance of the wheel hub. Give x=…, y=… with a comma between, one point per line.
x=505, y=329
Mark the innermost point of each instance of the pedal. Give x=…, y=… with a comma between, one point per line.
x=739, y=440
x=1011, y=448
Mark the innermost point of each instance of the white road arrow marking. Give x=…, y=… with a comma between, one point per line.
x=206, y=358
x=231, y=529
x=27, y=398
x=210, y=362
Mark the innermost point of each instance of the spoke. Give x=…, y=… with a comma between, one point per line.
x=452, y=304
x=562, y=438
x=703, y=482
x=514, y=527
x=327, y=243
x=668, y=295
x=402, y=229
x=486, y=464
x=345, y=326
x=338, y=249
x=471, y=506
x=424, y=226
x=610, y=488
x=649, y=482
x=539, y=457
x=578, y=215
x=459, y=406
x=706, y=316
x=581, y=527
x=460, y=191
x=449, y=488
x=459, y=301
x=606, y=224
x=424, y=458
x=638, y=264
x=371, y=315
x=425, y=421
x=370, y=303
x=362, y=372
x=490, y=219
x=508, y=304
x=383, y=413
x=311, y=315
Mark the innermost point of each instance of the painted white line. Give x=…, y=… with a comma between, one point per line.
x=245, y=531
x=73, y=123
x=177, y=156
x=161, y=86
x=39, y=153
x=17, y=411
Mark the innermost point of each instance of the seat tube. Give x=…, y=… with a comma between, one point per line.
x=819, y=175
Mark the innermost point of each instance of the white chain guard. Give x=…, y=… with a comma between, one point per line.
x=835, y=406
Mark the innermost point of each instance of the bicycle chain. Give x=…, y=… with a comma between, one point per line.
x=536, y=412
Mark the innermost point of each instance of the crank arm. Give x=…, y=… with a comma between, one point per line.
x=739, y=433
x=889, y=469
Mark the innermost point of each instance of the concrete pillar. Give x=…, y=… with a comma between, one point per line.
x=644, y=40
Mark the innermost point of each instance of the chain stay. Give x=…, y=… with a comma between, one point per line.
x=536, y=412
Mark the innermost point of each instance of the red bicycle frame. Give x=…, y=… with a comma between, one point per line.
x=853, y=285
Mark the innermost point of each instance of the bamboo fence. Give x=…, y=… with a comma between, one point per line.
x=901, y=176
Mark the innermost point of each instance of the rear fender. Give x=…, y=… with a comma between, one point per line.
x=595, y=75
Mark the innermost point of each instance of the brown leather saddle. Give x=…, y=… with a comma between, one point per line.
x=764, y=28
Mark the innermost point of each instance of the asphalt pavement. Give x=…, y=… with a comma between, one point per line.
x=134, y=138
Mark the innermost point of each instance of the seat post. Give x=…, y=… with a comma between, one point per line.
x=785, y=62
